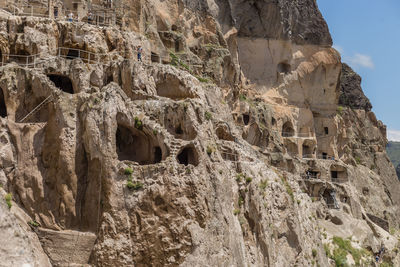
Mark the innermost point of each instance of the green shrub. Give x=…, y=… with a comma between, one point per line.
x=289, y=189
x=236, y=211
x=358, y=160
x=208, y=115
x=339, y=110
x=8, y=199
x=239, y=177
x=138, y=124
x=34, y=223
x=242, y=97
x=345, y=245
x=209, y=150
x=240, y=201
x=327, y=251
x=314, y=252
x=155, y=132
x=128, y=171
x=202, y=79
x=386, y=264
x=339, y=256
x=263, y=184
x=248, y=180
x=134, y=186
x=174, y=59
x=188, y=171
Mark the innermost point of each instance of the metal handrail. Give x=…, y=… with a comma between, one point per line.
x=339, y=180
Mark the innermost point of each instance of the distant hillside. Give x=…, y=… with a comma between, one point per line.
x=393, y=150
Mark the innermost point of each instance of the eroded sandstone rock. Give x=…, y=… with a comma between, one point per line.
x=225, y=147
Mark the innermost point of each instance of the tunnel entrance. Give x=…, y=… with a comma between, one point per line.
x=157, y=154
x=155, y=58
x=188, y=155
x=62, y=82
x=135, y=145
x=3, y=108
x=246, y=119
x=73, y=53
x=338, y=173
x=284, y=67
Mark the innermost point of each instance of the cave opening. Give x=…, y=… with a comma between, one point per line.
x=178, y=129
x=287, y=129
x=155, y=57
x=157, y=154
x=3, y=107
x=188, y=155
x=135, y=145
x=246, y=119
x=72, y=53
x=284, y=67
x=62, y=82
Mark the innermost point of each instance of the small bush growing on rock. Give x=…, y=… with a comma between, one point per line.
x=239, y=177
x=339, y=110
x=188, y=171
x=242, y=97
x=208, y=115
x=263, y=184
x=327, y=251
x=202, y=79
x=240, y=201
x=128, y=171
x=209, y=150
x=8, y=199
x=248, y=180
x=236, y=211
x=345, y=247
x=155, y=132
x=314, y=252
x=358, y=160
x=134, y=186
x=289, y=189
x=138, y=124
x=33, y=223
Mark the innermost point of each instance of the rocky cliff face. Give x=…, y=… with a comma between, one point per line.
x=351, y=94
x=225, y=147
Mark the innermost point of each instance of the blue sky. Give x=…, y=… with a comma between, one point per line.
x=367, y=34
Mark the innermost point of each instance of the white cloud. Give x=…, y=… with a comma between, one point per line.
x=360, y=60
x=393, y=135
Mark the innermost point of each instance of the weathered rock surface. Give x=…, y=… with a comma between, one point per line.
x=351, y=93
x=225, y=147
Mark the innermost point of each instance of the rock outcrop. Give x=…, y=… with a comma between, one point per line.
x=226, y=146
x=351, y=93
